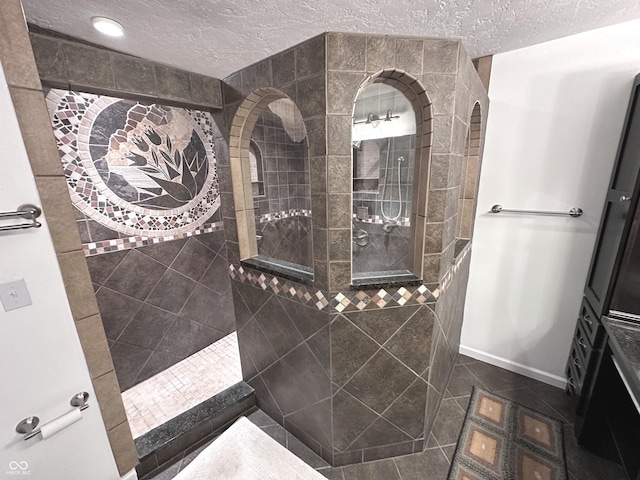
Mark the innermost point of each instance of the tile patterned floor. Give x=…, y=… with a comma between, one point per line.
x=183, y=385
x=433, y=463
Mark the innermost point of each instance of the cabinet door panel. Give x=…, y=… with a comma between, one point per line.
x=621, y=199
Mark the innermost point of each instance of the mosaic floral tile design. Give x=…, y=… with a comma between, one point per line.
x=143, y=170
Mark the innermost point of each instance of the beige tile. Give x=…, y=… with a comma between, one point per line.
x=94, y=344
x=111, y=406
x=58, y=210
x=123, y=448
x=15, y=48
x=77, y=282
x=37, y=133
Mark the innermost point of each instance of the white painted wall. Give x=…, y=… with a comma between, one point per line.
x=555, y=119
x=41, y=361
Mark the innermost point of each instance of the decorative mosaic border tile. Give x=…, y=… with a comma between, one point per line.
x=267, y=217
x=405, y=222
x=343, y=301
x=117, y=244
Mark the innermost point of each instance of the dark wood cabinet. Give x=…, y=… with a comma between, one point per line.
x=622, y=198
x=607, y=421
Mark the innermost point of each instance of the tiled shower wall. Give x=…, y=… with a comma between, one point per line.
x=162, y=303
x=156, y=301
x=285, y=167
x=349, y=414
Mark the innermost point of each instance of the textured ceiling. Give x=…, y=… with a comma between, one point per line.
x=218, y=37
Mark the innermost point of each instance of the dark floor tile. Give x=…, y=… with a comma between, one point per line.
x=463, y=359
x=431, y=464
x=463, y=402
x=378, y=470
x=333, y=473
x=558, y=399
x=189, y=457
x=276, y=432
x=167, y=474
x=496, y=378
x=448, y=423
x=304, y=453
x=449, y=452
x=261, y=419
x=431, y=442
x=462, y=381
x=584, y=465
x=526, y=397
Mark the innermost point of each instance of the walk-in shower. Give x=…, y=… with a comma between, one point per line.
x=383, y=144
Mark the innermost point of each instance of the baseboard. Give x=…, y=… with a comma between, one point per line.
x=516, y=367
x=132, y=475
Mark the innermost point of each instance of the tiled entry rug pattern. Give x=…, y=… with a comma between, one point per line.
x=502, y=440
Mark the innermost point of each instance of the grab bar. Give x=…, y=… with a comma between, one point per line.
x=574, y=212
x=27, y=211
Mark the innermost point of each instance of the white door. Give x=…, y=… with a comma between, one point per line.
x=41, y=361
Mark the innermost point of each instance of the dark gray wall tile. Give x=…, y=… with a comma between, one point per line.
x=172, y=291
x=297, y=380
x=311, y=96
x=407, y=412
x=284, y=68
x=381, y=53
x=133, y=75
x=310, y=57
x=365, y=385
x=116, y=310
x=409, y=55
x=350, y=419
x=441, y=56
x=126, y=278
x=88, y=66
x=173, y=83
x=193, y=260
x=346, y=52
x=147, y=327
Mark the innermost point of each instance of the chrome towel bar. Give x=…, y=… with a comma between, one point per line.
x=574, y=212
x=26, y=211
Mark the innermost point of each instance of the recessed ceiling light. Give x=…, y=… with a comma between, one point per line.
x=108, y=26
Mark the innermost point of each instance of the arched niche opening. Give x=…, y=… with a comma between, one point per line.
x=391, y=150
x=470, y=179
x=270, y=173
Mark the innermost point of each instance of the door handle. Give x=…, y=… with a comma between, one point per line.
x=624, y=198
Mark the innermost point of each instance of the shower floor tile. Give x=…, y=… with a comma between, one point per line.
x=183, y=385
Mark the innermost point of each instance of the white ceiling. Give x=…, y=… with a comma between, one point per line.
x=219, y=37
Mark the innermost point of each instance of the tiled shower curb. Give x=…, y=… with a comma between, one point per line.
x=167, y=443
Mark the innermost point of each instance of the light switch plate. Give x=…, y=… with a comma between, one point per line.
x=14, y=295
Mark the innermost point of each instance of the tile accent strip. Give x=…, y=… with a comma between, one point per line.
x=117, y=244
x=267, y=217
x=342, y=301
x=404, y=222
